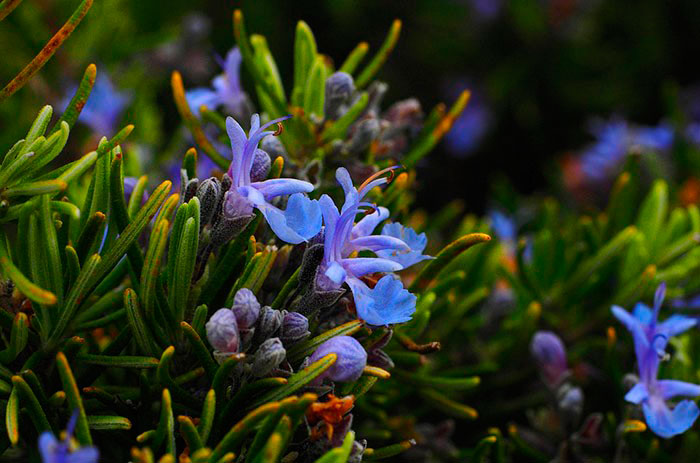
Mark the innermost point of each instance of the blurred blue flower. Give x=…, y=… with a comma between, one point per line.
x=415, y=242
x=226, y=91
x=503, y=226
x=471, y=126
x=104, y=107
x=302, y=218
x=615, y=139
x=650, y=340
x=54, y=451
x=388, y=302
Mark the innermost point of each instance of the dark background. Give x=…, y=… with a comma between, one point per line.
x=543, y=68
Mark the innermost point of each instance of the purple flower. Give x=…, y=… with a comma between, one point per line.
x=103, y=108
x=302, y=218
x=415, y=242
x=222, y=331
x=650, y=340
x=54, y=451
x=226, y=91
x=246, y=308
x=550, y=354
x=351, y=361
x=388, y=302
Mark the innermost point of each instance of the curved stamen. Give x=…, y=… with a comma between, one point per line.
x=279, y=130
x=379, y=174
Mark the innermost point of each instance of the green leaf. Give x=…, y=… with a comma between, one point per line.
x=444, y=257
x=166, y=425
x=30, y=401
x=342, y=453
x=267, y=66
x=378, y=61
x=118, y=361
x=19, y=335
x=12, y=417
x=82, y=429
x=206, y=420
x=77, y=103
x=315, y=90
x=652, y=214
x=29, y=289
x=234, y=438
x=185, y=260
x=151, y=266
x=189, y=433
x=47, y=52
x=439, y=383
x=35, y=188
x=108, y=423
x=200, y=350
x=388, y=451
x=449, y=406
x=297, y=380
x=354, y=58
x=304, y=55
x=165, y=380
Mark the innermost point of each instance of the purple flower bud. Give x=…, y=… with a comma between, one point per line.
x=269, y=322
x=295, y=327
x=261, y=166
x=268, y=357
x=222, y=331
x=339, y=89
x=273, y=147
x=550, y=354
x=352, y=359
x=246, y=308
x=570, y=402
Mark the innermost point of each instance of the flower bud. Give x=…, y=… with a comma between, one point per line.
x=339, y=89
x=273, y=147
x=222, y=331
x=261, y=166
x=351, y=361
x=365, y=133
x=246, y=308
x=295, y=327
x=208, y=194
x=549, y=353
x=376, y=92
x=570, y=402
x=269, y=322
x=235, y=205
x=189, y=189
x=268, y=357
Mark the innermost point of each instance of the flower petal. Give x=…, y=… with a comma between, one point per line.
x=303, y=215
x=360, y=266
x=368, y=223
x=336, y=273
x=278, y=223
x=637, y=394
x=670, y=388
x=415, y=242
x=668, y=423
x=48, y=446
x=238, y=141
x=643, y=313
x=84, y=455
x=389, y=302
x=330, y=218
x=377, y=243
x=282, y=186
x=202, y=96
x=675, y=325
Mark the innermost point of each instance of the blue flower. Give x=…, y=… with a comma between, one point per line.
x=226, y=91
x=616, y=138
x=650, y=340
x=388, y=302
x=103, y=108
x=415, y=242
x=54, y=451
x=503, y=226
x=302, y=218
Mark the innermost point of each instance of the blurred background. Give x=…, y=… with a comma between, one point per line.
x=541, y=72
